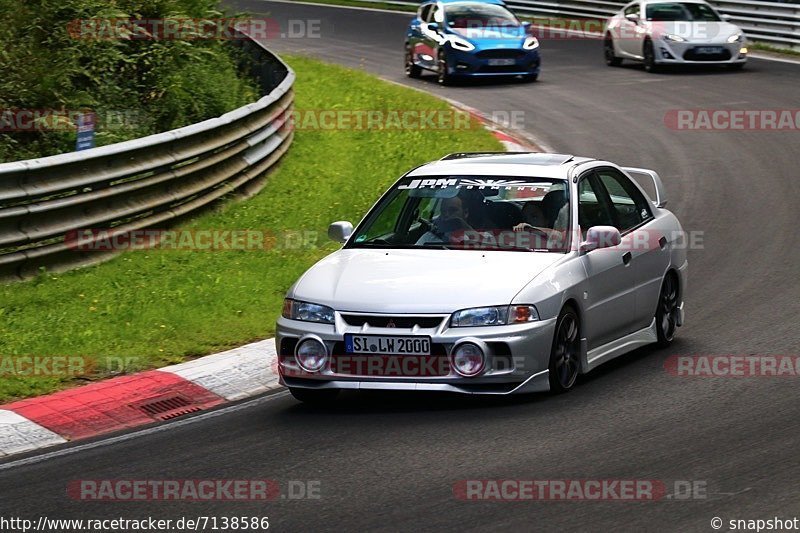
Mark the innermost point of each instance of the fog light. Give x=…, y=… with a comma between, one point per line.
x=666, y=55
x=743, y=50
x=311, y=355
x=468, y=359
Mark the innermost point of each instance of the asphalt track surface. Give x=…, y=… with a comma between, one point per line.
x=390, y=461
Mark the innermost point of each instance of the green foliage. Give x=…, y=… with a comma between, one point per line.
x=165, y=306
x=152, y=85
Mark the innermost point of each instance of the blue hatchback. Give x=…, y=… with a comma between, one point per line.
x=468, y=38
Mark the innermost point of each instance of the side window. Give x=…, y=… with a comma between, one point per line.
x=424, y=12
x=630, y=207
x=592, y=207
x=632, y=9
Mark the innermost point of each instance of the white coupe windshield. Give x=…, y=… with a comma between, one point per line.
x=470, y=212
x=680, y=11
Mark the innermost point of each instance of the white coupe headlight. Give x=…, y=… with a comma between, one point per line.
x=307, y=312
x=461, y=44
x=736, y=37
x=531, y=43
x=674, y=38
x=500, y=315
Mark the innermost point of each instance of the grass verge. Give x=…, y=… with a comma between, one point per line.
x=157, y=307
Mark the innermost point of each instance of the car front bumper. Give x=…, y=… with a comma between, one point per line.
x=517, y=358
x=479, y=63
x=685, y=53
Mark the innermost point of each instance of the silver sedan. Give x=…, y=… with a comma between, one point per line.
x=488, y=274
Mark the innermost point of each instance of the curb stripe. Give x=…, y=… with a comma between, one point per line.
x=235, y=374
x=106, y=406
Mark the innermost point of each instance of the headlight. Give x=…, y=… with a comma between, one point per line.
x=531, y=43
x=494, y=316
x=307, y=312
x=311, y=355
x=468, y=359
x=461, y=44
x=674, y=38
x=736, y=37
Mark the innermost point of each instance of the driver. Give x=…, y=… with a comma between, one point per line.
x=452, y=217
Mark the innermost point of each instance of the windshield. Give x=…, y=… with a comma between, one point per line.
x=684, y=11
x=476, y=15
x=470, y=212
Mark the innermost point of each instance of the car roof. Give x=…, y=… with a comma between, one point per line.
x=533, y=164
x=648, y=2
x=495, y=2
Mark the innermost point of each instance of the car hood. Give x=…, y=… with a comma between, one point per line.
x=503, y=37
x=696, y=32
x=419, y=281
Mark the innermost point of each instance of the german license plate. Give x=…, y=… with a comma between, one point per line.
x=385, y=344
x=501, y=62
x=708, y=50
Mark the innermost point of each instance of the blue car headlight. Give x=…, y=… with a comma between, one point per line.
x=307, y=312
x=531, y=43
x=459, y=43
x=498, y=315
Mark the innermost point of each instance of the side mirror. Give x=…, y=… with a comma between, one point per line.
x=600, y=237
x=725, y=17
x=433, y=26
x=632, y=17
x=340, y=231
x=527, y=27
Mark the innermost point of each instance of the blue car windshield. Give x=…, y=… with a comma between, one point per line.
x=470, y=213
x=475, y=15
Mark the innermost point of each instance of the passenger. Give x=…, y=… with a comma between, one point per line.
x=534, y=217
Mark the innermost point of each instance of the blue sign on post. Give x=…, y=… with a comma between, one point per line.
x=85, y=126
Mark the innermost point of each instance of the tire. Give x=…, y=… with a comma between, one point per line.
x=608, y=50
x=314, y=396
x=737, y=66
x=667, y=311
x=412, y=70
x=649, y=55
x=530, y=78
x=564, y=364
x=442, y=75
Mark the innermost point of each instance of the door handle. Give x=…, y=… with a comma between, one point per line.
x=626, y=258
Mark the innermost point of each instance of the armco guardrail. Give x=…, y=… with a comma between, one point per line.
x=142, y=183
x=776, y=23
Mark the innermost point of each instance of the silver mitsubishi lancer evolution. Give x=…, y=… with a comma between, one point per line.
x=488, y=273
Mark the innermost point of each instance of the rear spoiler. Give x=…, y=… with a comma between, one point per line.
x=661, y=194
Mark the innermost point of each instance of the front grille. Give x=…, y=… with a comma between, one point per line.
x=501, y=69
x=692, y=55
x=500, y=53
x=388, y=321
